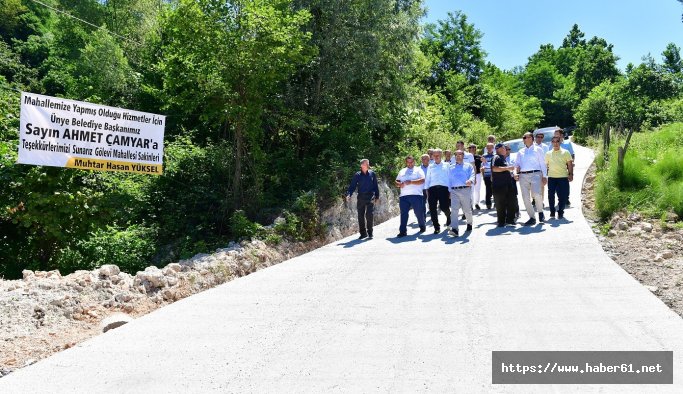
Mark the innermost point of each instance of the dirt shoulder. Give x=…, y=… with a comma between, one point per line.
x=651, y=250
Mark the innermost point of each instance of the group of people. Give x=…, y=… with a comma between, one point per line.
x=451, y=181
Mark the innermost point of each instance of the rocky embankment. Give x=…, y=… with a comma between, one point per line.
x=46, y=312
x=649, y=249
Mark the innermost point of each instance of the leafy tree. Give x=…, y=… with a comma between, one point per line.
x=455, y=46
x=672, y=58
x=224, y=59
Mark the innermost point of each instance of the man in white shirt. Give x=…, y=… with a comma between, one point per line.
x=410, y=180
x=437, y=191
x=539, y=142
x=532, y=174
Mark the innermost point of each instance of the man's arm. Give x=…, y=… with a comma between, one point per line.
x=570, y=168
x=541, y=159
x=353, y=185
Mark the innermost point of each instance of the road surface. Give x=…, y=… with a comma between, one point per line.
x=422, y=313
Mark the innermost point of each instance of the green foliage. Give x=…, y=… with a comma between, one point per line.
x=652, y=179
x=241, y=227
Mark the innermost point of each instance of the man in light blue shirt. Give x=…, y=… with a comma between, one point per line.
x=460, y=180
x=437, y=191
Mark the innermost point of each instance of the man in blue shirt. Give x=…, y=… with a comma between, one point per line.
x=368, y=192
x=569, y=147
x=425, y=167
x=460, y=181
x=437, y=190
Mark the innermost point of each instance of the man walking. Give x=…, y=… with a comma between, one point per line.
x=410, y=180
x=560, y=173
x=448, y=157
x=533, y=175
x=368, y=193
x=569, y=147
x=503, y=185
x=460, y=179
x=437, y=191
x=511, y=163
x=486, y=160
x=425, y=168
x=476, y=188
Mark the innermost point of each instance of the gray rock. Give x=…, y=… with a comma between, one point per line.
x=114, y=321
x=151, y=275
x=108, y=270
x=647, y=227
x=667, y=254
x=622, y=226
x=652, y=288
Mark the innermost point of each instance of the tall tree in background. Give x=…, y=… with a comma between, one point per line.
x=224, y=60
x=454, y=46
x=672, y=58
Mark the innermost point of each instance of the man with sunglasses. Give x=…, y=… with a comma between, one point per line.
x=560, y=173
x=532, y=174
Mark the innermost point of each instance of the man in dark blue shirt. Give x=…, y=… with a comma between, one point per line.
x=368, y=192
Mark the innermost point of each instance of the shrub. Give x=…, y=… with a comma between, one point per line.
x=243, y=228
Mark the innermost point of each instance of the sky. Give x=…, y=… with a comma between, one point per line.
x=513, y=30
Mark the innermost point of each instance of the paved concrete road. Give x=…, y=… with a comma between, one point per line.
x=419, y=314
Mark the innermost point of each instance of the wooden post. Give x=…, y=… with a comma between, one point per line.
x=605, y=142
x=622, y=153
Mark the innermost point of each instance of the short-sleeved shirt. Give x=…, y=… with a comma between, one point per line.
x=568, y=146
x=410, y=174
x=557, y=160
x=500, y=180
x=486, y=159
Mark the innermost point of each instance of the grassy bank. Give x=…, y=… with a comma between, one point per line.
x=652, y=180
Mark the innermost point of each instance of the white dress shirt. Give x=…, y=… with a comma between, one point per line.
x=410, y=174
x=532, y=159
x=438, y=175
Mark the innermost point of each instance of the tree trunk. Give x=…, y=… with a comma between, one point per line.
x=622, y=153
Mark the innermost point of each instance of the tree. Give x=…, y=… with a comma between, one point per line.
x=224, y=59
x=672, y=58
x=454, y=45
x=574, y=39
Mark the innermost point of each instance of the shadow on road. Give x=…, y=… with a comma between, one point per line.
x=407, y=238
x=352, y=243
x=558, y=222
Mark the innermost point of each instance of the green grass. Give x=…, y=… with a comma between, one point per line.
x=652, y=180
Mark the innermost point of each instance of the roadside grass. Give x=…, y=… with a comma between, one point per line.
x=652, y=180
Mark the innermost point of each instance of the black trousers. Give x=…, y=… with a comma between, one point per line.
x=489, y=191
x=506, y=206
x=439, y=194
x=559, y=186
x=366, y=208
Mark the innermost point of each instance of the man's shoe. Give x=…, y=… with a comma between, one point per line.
x=488, y=207
x=530, y=222
x=423, y=229
x=560, y=215
x=567, y=203
x=552, y=214
x=401, y=235
x=469, y=228
x=511, y=224
x=362, y=236
x=437, y=230
x=369, y=235
x=464, y=217
x=541, y=217
x=500, y=225
x=478, y=208
x=454, y=231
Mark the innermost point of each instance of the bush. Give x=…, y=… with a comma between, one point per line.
x=243, y=228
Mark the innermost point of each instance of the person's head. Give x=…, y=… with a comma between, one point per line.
x=500, y=148
x=491, y=139
x=528, y=139
x=425, y=159
x=437, y=155
x=430, y=152
x=460, y=145
x=447, y=155
x=538, y=138
x=508, y=150
x=489, y=147
x=459, y=156
x=556, y=142
x=410, y=161
x=364, y=165
x=559, y=133
x=472, y=148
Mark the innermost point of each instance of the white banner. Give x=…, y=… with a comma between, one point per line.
x=74, y=134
